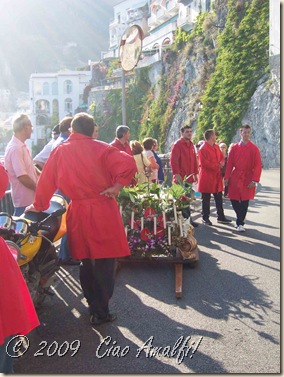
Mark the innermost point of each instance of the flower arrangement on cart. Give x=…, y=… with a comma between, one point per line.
x=153, y=221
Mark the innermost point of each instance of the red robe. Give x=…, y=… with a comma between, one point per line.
x=122, y=147
x=243, y=166
x=183, y=160
x=17, y=312
x=210, y=177
x=81, y=168
x=4, y=180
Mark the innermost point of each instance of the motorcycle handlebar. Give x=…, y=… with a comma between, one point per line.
x=45, y=227
x=34, y=227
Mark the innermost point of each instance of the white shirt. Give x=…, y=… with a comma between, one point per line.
x=43, y=155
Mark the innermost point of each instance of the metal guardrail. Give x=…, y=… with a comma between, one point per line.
x=6, y=204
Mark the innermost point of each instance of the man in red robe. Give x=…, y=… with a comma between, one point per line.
x=242, y=174
x=91, y=173
x=17, y=312
x=121, y=141
x=184, y=162
x=211, y=160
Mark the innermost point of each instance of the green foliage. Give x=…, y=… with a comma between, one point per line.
x=181, y=39
x=242, y=60
x=54, y=119
x=113, y=64
x=161, y=110
x=199, y=27
x=109, y=115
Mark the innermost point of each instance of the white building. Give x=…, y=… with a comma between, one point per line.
x=126, y=14
x=54, y=96
x=158, y=19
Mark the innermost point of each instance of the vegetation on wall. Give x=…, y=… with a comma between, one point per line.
x=228, y=61
x=109, y=115
x=160, y=110
x=242, y=61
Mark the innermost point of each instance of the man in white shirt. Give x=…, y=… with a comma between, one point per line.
x=41, y=158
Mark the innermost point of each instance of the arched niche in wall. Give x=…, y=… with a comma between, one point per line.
x=42, y=120
x=42, y=106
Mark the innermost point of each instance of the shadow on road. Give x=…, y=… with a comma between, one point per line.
x=65, y=317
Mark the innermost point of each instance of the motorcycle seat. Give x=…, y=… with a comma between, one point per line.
x=52, y=222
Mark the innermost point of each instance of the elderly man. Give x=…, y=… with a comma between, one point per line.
x=184, y=162
x=91, y=173
x=18, y=162
x=242, y=175
x=211, y=160
x=121, y=141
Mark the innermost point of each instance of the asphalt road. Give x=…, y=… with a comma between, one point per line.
x=227, y=321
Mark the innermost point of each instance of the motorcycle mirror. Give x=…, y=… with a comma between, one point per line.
x=21, y=227
x=5, y=221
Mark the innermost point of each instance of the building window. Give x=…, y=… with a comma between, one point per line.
x=37, y=88
x=45, y=89
x=54, y=88
x=68, y=106
x=166, y=42
x=67, y=87
x=55, y=106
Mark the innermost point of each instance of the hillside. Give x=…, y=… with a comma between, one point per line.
x=44, y=36
x=216, y=76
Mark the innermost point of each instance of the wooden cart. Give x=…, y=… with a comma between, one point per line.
x=178, y=262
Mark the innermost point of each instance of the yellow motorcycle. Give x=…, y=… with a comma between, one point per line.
x=31, y=239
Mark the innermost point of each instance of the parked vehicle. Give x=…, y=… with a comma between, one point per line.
x=31, y=239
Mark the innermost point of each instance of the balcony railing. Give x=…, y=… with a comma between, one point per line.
x=148, y=60
x=185, y=23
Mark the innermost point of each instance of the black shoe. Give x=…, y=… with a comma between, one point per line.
x=224, y=221
x=194, y=224
x=68, y=262
x=96, y=321
x=207, y=222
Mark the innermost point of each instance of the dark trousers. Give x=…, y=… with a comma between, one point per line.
x=6, y=359
x=226, y=190
x=97, y=281
x=186, y=213
x=206, y=205
x=241, y=208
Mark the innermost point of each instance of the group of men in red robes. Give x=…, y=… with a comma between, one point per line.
x=242, y=172
x=91, y=173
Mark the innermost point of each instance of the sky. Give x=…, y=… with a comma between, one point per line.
x=48, y=35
